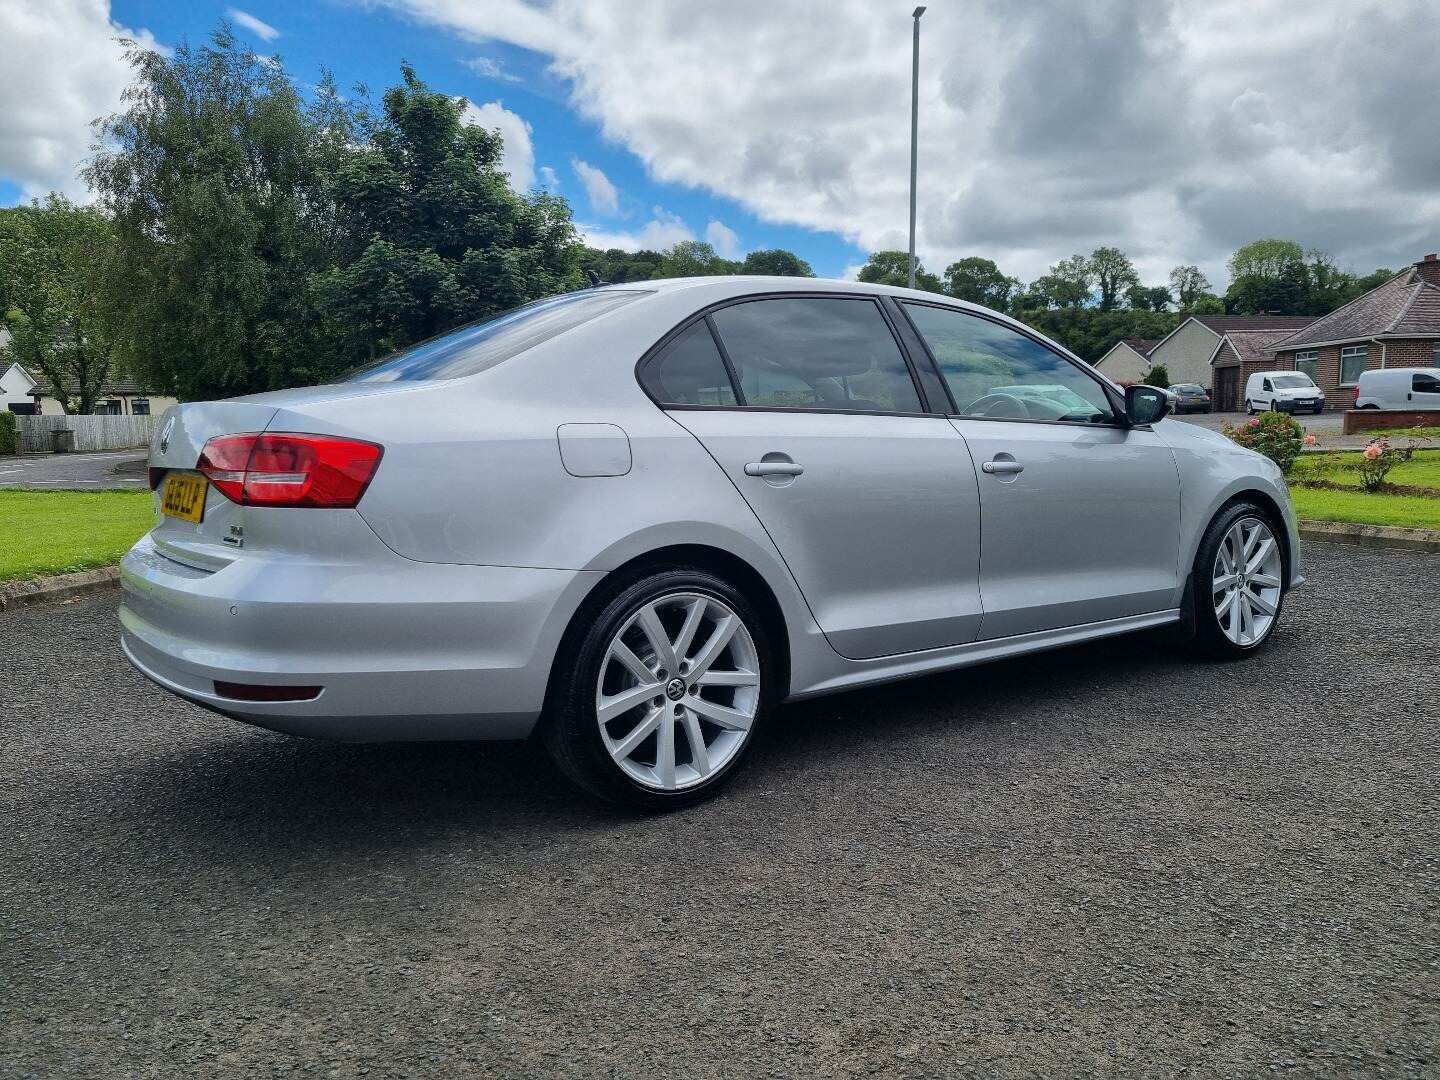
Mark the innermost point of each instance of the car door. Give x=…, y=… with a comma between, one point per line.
x=818, y=421
x=1080, y=516
x=1425, y=390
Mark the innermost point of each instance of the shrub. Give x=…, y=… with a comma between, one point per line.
x=1158, y=376
x=1377, y=460
x=1277, y=435
x=9, y=433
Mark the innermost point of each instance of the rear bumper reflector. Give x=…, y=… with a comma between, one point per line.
x=253, y=692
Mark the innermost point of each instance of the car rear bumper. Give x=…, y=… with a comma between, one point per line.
x=402, y=650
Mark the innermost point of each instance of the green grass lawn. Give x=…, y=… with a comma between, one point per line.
x=1423, y=470
x=55, y=532
x=1407, y=511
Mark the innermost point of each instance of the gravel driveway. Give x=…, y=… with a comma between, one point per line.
x=1103, y=861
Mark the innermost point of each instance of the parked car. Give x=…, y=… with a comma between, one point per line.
x=1283, y=391
x=1190, y=397
x=635, y=518
x=1402, y=389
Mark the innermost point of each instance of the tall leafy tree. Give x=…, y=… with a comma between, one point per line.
x=980, y=281
x=216, y=178
x=1148, y=298
x=1188, y=285
x=1067, y=285
x=694, y=258
x=892, y=267
x=53, y=261
x=1113, y=273
x=435, y=235
x=1268, y=276
x=776, y=262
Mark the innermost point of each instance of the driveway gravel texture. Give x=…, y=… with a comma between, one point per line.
x=1104, y=861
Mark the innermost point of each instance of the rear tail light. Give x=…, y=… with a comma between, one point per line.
x=290, y=469
x=1355, y=394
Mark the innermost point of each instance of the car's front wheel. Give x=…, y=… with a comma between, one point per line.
x=1239, y=577
x=659, y=696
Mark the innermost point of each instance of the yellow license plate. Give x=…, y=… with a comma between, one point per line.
x=184, y=496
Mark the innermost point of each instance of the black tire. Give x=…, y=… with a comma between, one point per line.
x=570, y=730
x=1210, y=638
x=1249, y=407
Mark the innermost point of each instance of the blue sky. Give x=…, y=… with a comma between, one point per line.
x=362, y=44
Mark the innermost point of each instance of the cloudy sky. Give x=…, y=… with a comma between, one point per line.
x=1175, y=130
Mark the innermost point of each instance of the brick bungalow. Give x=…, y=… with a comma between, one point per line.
x=1189, y=350
x=1394, y=325
x=1239, y=355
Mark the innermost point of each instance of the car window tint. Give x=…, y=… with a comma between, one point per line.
x=818, y=353
x=997, y=372
x=692, y=372
x=484, y=344
x=1425, y=384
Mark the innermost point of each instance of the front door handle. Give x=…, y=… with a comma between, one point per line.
x=773, y=468
x=1001, y=468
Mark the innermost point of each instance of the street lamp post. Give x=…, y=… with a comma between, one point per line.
x=914, y=135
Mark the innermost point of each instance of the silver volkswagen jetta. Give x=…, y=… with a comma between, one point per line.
x=634, y=518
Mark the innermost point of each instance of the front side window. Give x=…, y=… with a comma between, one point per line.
x=816, y=353
x=1305, y=361
x=484, y=344
x=994, y=371
x=692, y=372
x=1425, y=384
x=1352, y=362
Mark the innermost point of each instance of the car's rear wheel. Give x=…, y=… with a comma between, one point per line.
x=660, y=697
x=1249, y=407
x=1239, y=577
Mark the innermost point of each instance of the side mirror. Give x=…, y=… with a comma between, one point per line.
x=1146, y=404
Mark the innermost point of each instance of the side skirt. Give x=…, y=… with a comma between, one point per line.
x=891, y=668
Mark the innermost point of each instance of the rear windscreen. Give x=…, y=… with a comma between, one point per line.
x=484, y=344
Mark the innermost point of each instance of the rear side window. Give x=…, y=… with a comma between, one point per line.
x=692, y=372
x=484, y=344
x=816, y=353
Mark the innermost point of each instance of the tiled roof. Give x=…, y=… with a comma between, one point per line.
x=1254, y=345
x=1223, y=323
x=1406, y=304
x=120, y=384
x=1144, y=346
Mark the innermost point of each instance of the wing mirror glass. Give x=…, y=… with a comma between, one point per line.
x=1146, y=404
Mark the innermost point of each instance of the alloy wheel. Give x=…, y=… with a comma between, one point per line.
x=678, y=691
x=1245, y=585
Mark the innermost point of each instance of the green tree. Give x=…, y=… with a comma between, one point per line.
x=1207, y=304
x=1187, y=286
x=980, y=282
x=1090, y=332
x=216, y=176
x=1268, y=276
x=1148, y=298
x=891, y=268
x=436, y=235
x=1372, y=280
x=1067, y=285
x=53, y=260
x=694, y=258
x=776, y=262
x=1157, y=376
x=616, y=266
x=1112, y=272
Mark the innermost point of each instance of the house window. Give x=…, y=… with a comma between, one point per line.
x=139, y=406
x=1305, y=361
x=1353, y=360
x=107, y=408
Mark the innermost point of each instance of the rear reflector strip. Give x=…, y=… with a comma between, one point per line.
x=252, y=692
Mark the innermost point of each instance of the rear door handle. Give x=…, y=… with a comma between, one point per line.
x=1001, y=468
x=773, y=468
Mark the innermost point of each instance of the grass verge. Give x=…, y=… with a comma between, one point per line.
x=56, y=532
x=1360, y=508
x=1422, y=470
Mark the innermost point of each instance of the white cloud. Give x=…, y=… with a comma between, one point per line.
x=548, y=180
x=519, y=157
x=723, y=239
x=662, y=231
x=604, y=199
x=490, y=68
x=263, y=30
x=1173, y=129
x=62, y=69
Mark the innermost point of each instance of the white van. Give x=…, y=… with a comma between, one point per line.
x=1402, y=388
x=1283, y=391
